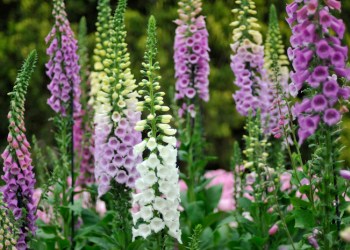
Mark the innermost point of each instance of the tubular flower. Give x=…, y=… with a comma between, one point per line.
x=158, y=185
x=18, y=172
x=191, y=54
x=276, y=63
x=319, y=62
x=116, y=114
x=103, y=26
x=86, y=152
x=63, y=70
x=247, y=62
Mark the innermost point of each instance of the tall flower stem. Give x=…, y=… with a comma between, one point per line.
x=18, y=170
x=72, y=163
x=159, y=193
x=279, y=210
x=330, y=187
x=319, y=62
x=191, y=72
x=63, y=70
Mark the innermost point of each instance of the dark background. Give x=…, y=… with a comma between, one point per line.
x=24, y=25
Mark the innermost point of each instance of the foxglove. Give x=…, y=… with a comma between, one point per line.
x=63, y=70
x=158, y=185
x=247, y=64
x=191, y=56
x=116, y=114
x=319, y=63
x=276, y=63
x=18, y=172
x=102, y=35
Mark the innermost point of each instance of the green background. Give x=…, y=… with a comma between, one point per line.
x=25, y=23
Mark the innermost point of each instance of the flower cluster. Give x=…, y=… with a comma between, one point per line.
x=62, y=68
x=255, y=176
x=319, y=61
x=103, y=26
x=8, y=239
x=276, y=63
x=158, y=185
x=18, y=172
x=116, y=114
x=247, y=63
x=191, y=54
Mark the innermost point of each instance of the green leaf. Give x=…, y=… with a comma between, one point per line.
x=297, y=202
x=63, y=243
x=137, y=244
x=227, y=220
x=44, y=235
x=258, y=241
x=89, y=217
x=107, y=218
x=102, y=242
x=214, y=218
x=305, y=189
x=244, y=203
x=212, y=195
x=86, y=230
x=183, y=155
x=77, y=207
x=202, y=185
x=195, y=212
x=304, y=219
x=206, y=239
x=38, y=244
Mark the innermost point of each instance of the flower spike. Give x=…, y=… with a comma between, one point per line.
x=191, y=56
x=18, y=170
x=116, y=114
x=159, y=191
x=319, y=63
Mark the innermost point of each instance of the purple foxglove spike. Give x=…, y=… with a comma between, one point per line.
x=63, y=70
x=191, y=55
x=319, y=33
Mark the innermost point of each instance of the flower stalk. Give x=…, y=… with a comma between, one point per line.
x=18, y=175
x=159, y=193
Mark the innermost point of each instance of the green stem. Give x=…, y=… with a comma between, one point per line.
x=190, y=160
x=280, y=211
x=328, y=180
x=296, y=144
x=72, y=168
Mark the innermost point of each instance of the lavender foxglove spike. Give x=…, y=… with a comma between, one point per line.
x=247, y=63
x=116, y=114
x=63, y=69
x=191, y=55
